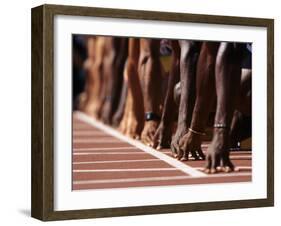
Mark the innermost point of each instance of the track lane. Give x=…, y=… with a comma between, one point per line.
x=93, y=170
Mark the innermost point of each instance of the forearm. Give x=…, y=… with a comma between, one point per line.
x=205, y=86
x=151, y=85
x=168, y=115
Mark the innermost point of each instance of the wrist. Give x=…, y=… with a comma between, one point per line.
x=197, y=132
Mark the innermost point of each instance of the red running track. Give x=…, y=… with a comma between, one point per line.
x=101, y=159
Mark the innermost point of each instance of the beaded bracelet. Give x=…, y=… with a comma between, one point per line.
x=220, y=125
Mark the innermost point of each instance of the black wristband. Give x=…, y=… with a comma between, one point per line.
x=152, y=116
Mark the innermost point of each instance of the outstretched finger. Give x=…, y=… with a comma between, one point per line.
x=180, y=154
x=226, y=163
x=215, y=163
x=174, y=149
x=145, y=140
x=155, y=142
x=185, y=156
x=151, y=138
x=208, y=165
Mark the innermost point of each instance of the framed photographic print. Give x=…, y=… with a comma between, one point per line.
x=141, y=112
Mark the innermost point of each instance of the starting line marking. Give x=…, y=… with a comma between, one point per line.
x=111, y=153
x=125, y=170
x=175, y=163
x=116, y=161
x=100, y=149
x=142, y=153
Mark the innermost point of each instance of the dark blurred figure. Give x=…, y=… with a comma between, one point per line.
x=79, y=55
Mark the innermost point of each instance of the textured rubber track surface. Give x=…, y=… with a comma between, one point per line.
x=101, y=160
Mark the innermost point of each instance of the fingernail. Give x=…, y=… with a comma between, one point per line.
x=227, y=169
x=219, y=168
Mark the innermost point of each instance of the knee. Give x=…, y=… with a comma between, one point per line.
x=177, y=93
x=146, y=57
x=99, y=66
x=223, y=54
x=131, y=64
x=188, y=50
x=130, y=69
x=149, y=52
x=229, y=53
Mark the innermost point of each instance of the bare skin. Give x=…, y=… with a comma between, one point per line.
x=114, y=60
x=177, y=93
x=121, y=105
x=188, y=60
x=228, y=77
x=241, y=123
x=133, y=118
x=150, y=73
x=93, y=67
x=245, y=97
x=163, y=135
x=191, y=141
x=109, y=74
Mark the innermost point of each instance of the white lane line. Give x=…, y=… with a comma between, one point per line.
x=117, y=161
x=99, y=141
x=124, y=170
x=153, y=179
x=175, y=163
x=110, y=153
x=104, y=149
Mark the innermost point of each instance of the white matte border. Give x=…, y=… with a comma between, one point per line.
x=66, y=199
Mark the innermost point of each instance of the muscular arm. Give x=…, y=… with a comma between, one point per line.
x=205, y=93
x=187, y=77
x=150, y=74
x=163, y=134
x=228, y=74
x=151, y=80
x=205, y=86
